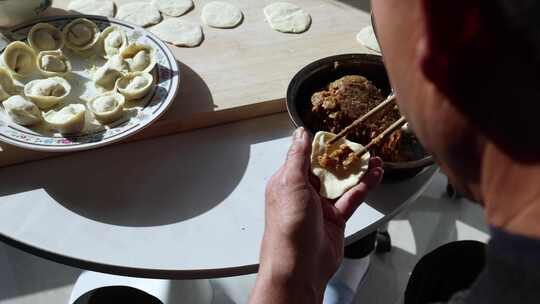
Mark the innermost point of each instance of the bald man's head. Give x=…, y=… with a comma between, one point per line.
x=466, y=73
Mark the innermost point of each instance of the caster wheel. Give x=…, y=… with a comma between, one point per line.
x=384, y=242
x=452, y=193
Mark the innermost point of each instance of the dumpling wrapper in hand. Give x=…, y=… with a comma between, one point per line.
x=336, y=181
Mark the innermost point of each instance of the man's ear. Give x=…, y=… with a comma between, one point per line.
x=450, y=27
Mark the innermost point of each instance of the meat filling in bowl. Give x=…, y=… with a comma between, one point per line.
x=348, y=98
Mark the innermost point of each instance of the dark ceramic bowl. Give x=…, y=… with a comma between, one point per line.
x=320, y=73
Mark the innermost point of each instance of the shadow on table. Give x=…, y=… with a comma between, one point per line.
x=152, y=182
x=23, y=275
x=54, y=11
x=194, y=96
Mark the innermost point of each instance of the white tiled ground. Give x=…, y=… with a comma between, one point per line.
x=433, y=220
x=430, y=222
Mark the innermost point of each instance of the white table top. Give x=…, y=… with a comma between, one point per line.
x=189, y=205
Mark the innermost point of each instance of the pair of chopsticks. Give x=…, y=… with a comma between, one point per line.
x=396, y=125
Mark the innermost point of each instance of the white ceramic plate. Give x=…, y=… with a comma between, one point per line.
x=138, y=116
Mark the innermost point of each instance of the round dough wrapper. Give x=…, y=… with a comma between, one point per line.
x=221, y=15
x=179, y=32
x=93, y=7
x=367, y=38
x=333, y=183
x=287, y=18
x=139, y=13
x=22, y=111
x=174, y=8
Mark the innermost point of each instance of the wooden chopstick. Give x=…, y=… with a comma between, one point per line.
x=343, y=133
x=396, y=125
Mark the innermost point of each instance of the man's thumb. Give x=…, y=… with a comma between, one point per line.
x=298, y=157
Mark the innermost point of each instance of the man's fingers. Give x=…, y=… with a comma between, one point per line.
x=375, y=162
x=298, y=157
x=315, y=182
x=332, y=214
x=350, y=201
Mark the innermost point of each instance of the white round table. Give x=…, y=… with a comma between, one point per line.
x=186, y=206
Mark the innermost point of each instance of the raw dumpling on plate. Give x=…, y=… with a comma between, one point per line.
x=53, y=63
x=7, y=85
x=81, y=34
x=45, y=37
x=47, y=93
x=135, y=85
x=337, y=166
x=140, y=57
x=114, y=40
x=106, y=76
x=22, y=111
x=70, y=119
x=108, y=107
x=19, y=59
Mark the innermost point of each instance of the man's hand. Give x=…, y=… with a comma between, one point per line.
x=304, y=233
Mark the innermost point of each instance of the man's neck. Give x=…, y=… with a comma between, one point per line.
x=510, y=191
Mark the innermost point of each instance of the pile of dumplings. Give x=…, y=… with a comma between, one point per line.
x=126, y=75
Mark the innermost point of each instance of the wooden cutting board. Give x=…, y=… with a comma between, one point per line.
x=243, y=72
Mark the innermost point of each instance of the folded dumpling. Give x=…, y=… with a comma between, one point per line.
x=114, y=40
x=81, y=34
x=140, y=57
x=108, y=107
x=22, y=111
x=337, y=166
x=53, y=63
x=45, y=37
x=46, y=93
x=7, y=85
x=106, y=76
x=135, y=85
x=19, y=58
x=69, y=119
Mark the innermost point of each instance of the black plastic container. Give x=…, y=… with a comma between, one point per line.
x=320, y=73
